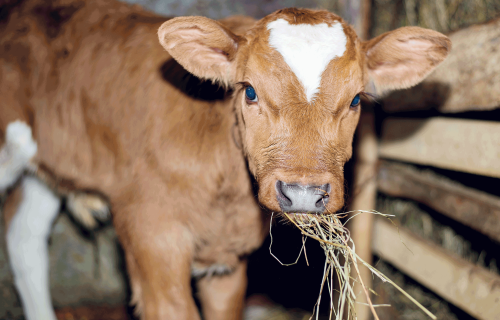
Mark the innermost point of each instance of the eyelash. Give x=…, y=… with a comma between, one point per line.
x=369, y=96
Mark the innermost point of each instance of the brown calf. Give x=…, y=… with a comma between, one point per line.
x=90, y=99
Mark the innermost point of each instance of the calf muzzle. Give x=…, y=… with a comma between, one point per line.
x=302, y=198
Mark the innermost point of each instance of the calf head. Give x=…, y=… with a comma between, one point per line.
x=297, y=77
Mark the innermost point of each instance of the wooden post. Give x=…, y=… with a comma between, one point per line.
x=358, y=13
x=364, y=197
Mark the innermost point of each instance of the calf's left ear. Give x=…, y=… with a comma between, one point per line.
x=202, y=46
x=404, y=57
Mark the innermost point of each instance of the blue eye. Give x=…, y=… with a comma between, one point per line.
x=355, y=101
x=250, y=93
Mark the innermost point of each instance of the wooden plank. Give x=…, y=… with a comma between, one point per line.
x=478, y=210
x=464, y=145
x=469, y=79
x=469, y=287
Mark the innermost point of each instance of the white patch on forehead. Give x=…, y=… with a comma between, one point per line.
x=307, y=49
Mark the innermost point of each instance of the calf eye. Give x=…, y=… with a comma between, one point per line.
x=355, y=101
x=250, y=94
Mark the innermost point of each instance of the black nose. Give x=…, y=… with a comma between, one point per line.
x=300, y=198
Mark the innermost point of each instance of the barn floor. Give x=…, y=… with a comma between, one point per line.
x=258, y=308
x=93, y=313
x=261, y=308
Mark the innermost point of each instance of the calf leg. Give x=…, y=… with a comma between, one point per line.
x=16, y=154
x=31, y=211
x=158, y=250
x=222, y=296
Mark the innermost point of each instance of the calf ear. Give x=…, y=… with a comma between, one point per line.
x=202, y=46
x=404, y=57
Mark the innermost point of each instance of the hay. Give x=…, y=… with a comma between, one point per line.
x=440, y=15
x=341, y=260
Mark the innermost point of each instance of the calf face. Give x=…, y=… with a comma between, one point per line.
x=297, y=77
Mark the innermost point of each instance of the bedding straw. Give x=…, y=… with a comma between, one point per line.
x=341, y=260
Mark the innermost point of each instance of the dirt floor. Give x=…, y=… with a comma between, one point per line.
x=258, y=308
x=93, y=313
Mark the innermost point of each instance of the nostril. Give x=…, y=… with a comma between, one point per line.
x=322, y=201
x=323, y=191
x=282, y=198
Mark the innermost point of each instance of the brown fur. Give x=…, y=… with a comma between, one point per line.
x=112, y=112
x=216, y=293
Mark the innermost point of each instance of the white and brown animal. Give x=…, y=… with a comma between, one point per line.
x=90, y=99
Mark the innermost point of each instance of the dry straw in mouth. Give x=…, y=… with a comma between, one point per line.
x=341, y=257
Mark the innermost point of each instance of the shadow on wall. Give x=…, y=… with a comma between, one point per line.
x=424, y=96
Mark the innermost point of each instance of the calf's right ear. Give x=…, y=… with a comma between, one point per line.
x=202, y=46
